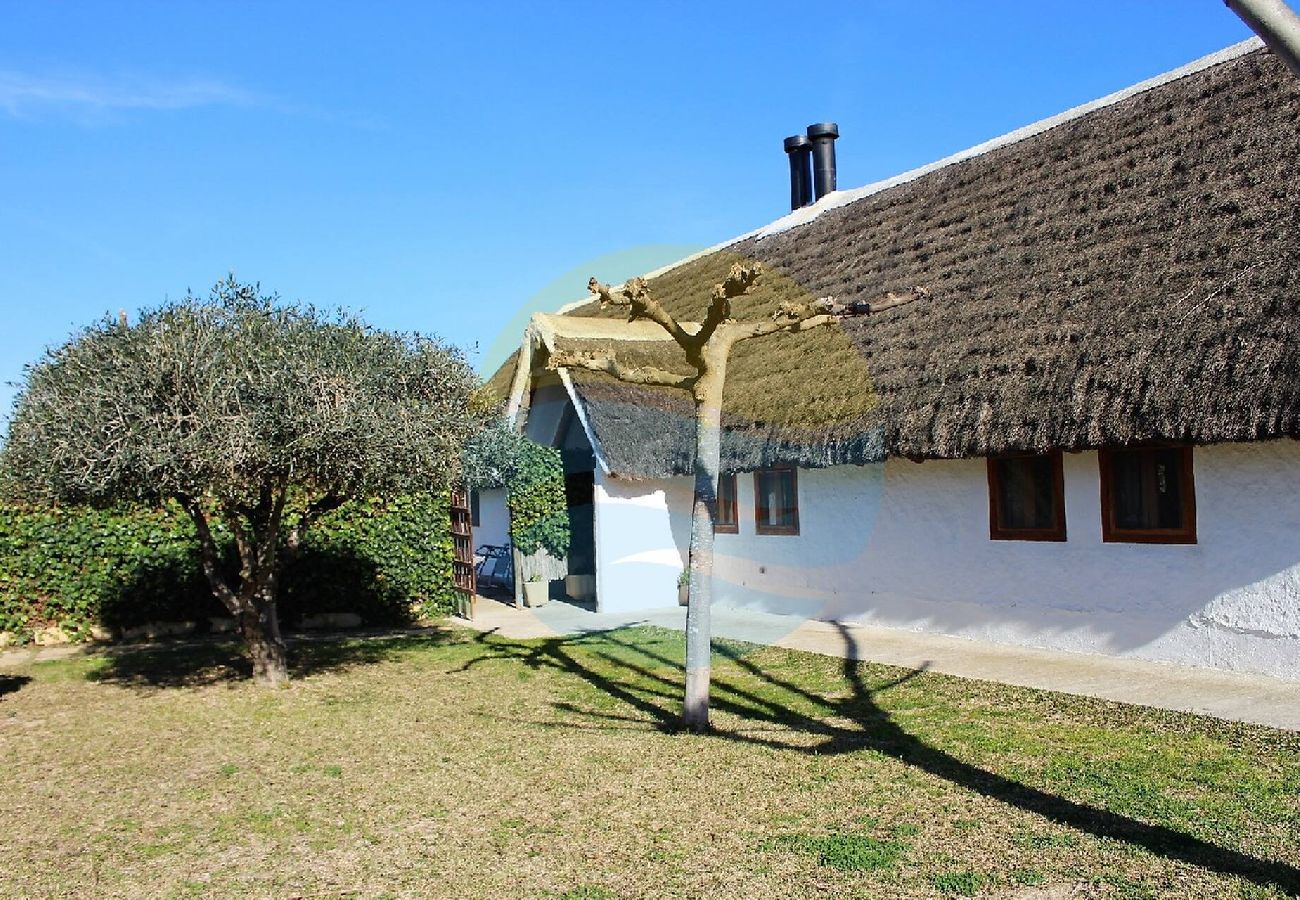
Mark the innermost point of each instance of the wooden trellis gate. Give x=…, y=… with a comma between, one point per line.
x=462, y=562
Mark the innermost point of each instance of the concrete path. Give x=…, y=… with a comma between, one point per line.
x=22, y=655
x=1226, y=695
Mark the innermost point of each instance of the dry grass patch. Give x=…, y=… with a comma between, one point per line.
x=461, y=765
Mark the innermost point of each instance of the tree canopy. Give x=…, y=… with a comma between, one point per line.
x=225, y=396
x=254, y=413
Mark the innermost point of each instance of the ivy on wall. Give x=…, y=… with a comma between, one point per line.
x=535, y=494
x=74, y=567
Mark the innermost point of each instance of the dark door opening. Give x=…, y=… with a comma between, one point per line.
x=579, y=495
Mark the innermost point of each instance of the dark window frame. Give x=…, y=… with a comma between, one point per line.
x=733, y=526
x=475, y=508
x=999, y=532
x=1112, y=534
x=760, y=503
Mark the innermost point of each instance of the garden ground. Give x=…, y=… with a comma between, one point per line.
x=454, y=763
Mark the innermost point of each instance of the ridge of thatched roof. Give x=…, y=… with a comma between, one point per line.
x=1126, y=273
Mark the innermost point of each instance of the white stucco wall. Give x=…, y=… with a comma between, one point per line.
x=546, y=413
x=494, y=518
x=642, y=530
x=907, y=545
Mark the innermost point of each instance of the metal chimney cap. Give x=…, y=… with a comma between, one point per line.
x=796, y=142
x=823, y=129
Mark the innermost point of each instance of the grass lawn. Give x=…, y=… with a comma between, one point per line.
x=457, y=764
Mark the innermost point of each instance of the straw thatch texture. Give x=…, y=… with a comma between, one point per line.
x=1127, y=276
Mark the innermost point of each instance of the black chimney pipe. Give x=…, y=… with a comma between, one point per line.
x=822, y=137
x=799, y=149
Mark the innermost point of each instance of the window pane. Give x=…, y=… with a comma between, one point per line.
x=726, y=500
x=1027, y=496
x=1167, y=475
x=1147, y=489
x=1129, y=486
x=776, y=500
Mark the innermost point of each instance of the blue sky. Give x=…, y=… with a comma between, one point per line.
x=441, y=167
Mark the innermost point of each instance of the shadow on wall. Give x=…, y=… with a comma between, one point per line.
x=907, y=545
x=845, y=722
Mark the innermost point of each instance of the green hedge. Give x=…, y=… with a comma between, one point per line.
x=75, y=567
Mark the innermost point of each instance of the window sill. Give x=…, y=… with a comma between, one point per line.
x=1053, y=536
x=1149, y=537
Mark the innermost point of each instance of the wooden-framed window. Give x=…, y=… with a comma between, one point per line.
x=1148, y=495
x=776, y=501
x=1026, y=497
x=725, y=520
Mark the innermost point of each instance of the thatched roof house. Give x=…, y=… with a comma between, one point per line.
x=1125, y=271
x=1079, y=436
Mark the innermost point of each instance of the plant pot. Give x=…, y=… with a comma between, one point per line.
x=580, y=587
x=536, y=593
x=683, y=594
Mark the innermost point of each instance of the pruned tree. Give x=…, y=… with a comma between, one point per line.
x=707, y=346
x=256, y=417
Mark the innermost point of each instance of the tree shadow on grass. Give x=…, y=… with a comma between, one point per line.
x=656, y=696
x=12, y=683
x=203, y=663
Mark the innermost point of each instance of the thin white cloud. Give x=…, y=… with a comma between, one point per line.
x=91, y=98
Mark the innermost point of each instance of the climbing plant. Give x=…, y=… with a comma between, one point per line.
x=533, y=476
x=535, y=494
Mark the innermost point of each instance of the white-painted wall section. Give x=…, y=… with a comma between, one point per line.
x=494, y=518
x=907, y=545
x=642, y=531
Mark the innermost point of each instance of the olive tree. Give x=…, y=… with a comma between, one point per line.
x=707, y=346
x=256, y=416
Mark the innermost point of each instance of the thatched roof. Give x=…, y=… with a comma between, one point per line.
x=1128, y=274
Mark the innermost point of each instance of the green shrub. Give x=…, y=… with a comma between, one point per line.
x=539, y=513
x=75, y=566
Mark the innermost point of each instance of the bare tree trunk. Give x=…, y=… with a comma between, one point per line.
x=708, y=346
x=259, y=624
x=708, y=454
x=253, y=605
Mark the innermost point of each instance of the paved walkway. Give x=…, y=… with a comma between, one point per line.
x=1226, y=695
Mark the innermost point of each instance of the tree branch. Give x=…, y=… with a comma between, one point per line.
x=740, y=279
x=733, y=333
x=795, y=317
x=561, y=359
x=247, y=545
x=327, y=503
x=636, y=296
x=268, y=535
x=209, y=558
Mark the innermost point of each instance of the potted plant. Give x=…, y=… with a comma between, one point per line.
x=683, y=587
x=536, y=591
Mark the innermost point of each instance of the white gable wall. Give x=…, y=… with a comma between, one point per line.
x=494, y=518
x=907, y=545
x=642, y=532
